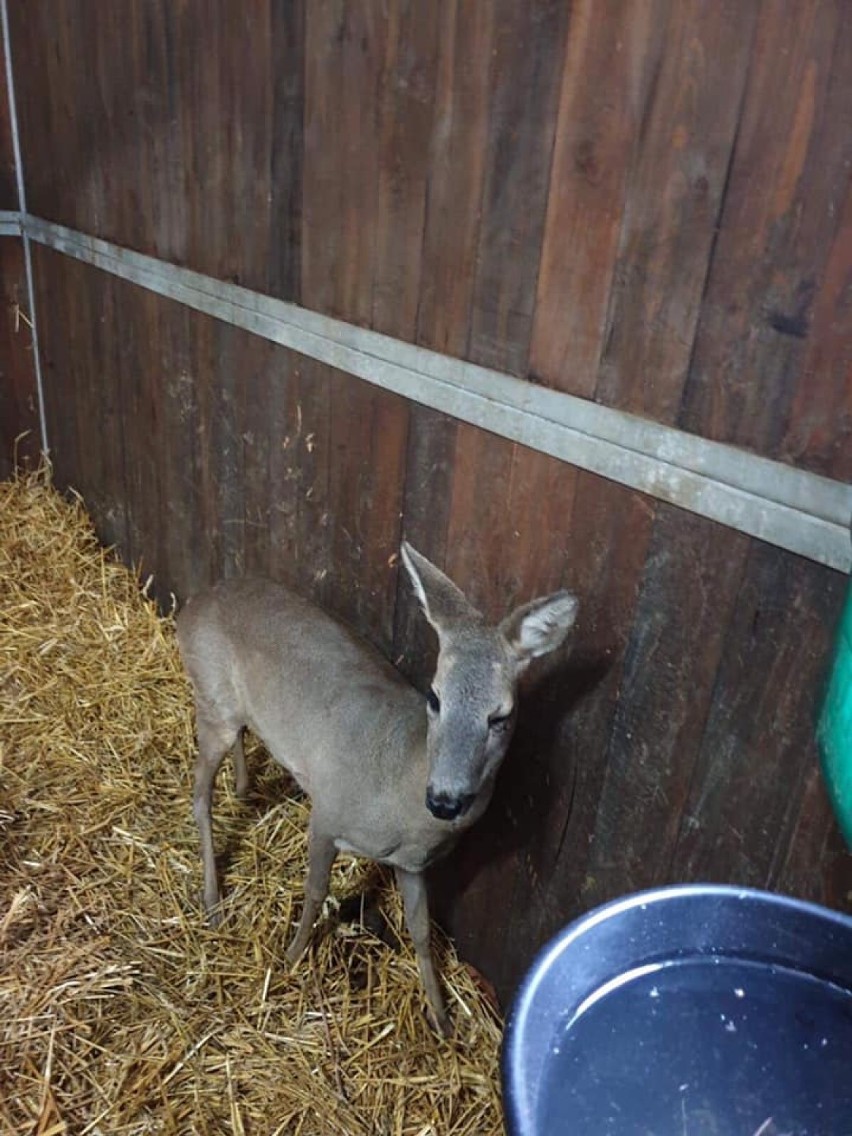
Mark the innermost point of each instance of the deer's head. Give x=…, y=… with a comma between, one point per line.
x=472, y=703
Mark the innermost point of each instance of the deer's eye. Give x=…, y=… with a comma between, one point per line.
x=433, y=701
x=498, y=722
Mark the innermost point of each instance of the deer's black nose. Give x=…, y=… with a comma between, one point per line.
x=445, y=807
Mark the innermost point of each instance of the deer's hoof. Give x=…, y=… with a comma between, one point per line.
x=213, y=916
x=440, y=1022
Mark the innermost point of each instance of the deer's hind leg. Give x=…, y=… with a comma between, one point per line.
x=215, y=738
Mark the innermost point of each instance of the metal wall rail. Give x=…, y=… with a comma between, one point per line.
x=791, y=508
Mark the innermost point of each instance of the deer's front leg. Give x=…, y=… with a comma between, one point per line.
x=413, y=888
x=321, y=854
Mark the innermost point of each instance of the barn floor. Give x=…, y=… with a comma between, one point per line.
x=120, y=1012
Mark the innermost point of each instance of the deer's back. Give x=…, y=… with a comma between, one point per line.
x=316, y=693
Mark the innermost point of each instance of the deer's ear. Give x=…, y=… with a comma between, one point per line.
x=442, y=602
x=540, y=626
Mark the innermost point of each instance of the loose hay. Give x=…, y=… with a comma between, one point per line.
x=120, y=1012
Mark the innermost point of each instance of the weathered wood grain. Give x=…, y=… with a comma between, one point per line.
x=447, y=278
x=180, y=136
x=594, y=152
x=743, y=811
x=83, y=399
x=609, y=532
x=20, y=432
x=818, y=430
x=346, y=70
x=528, y=45
x=404, y=119
x=688, y=589
x=787, y=186
x=8, y=169
x=684, y=142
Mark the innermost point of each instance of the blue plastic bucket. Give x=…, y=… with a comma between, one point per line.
x=699, y=1009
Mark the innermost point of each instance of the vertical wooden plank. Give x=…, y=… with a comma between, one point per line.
x=55, y=305
x=287, y=62
x=157, y=145
x=184, y=555
x=528, y=59
x=687, y=597
x=406, y=116
x=685, y=141
x=263, y=422
x=743, y=809
x=407, y=102
x=304, y=458
x=130, y=379
x=8, y=171
x=40, y=115
x=816, y=864
x=344, y=54
x=85, y=416
x=782, y=209
x=594, y=151
x=609, y=532
x=366, y=452
x=455, y=185
x=457, y=151
x=562, y=742
x=20, y=430
x=224, y=366
x=818, y=433
x=346, y=50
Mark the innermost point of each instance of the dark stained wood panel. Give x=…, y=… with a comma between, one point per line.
x=684, y=143
x=203, y=451
x=594, y=151
x=181, y=136
x=406, y=109
x=585, y=197
x=766, y=699
x=20, y=431
x=527, y=48
x=572, y=721
x=367, y=447
x=344, y=64
x=673, y=651
x=818, y=430
x=457, y=170
x=787, y=194
x=82, y=392
x=8, y=170
x=447, y=280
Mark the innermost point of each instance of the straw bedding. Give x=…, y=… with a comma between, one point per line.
x=120, y=1012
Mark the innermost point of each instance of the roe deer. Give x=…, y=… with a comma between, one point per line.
x=390, y=776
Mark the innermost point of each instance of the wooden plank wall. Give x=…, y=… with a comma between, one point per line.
x=19, y=426
x=632, y=202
